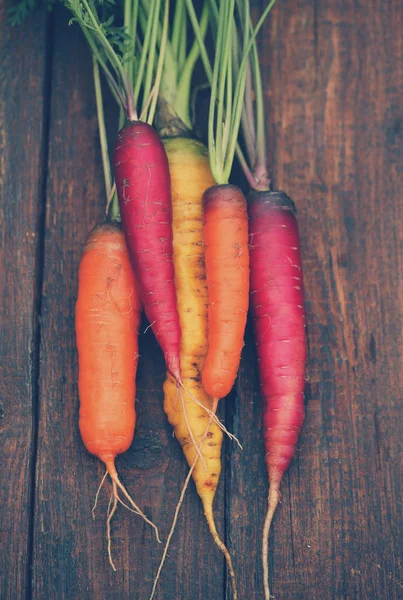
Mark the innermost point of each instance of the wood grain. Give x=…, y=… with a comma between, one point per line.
x=333, y=82
x=23, y=107
x=70, y=551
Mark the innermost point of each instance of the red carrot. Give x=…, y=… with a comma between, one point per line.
x=279, y=320
x=144, y=191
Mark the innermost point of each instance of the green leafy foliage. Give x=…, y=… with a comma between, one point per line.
x=118, y=38
x=19, y=11
x=115, y=34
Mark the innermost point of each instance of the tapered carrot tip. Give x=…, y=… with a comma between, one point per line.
x=274, y=497
x=208, y=511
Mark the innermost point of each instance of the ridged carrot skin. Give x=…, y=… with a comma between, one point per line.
x=144, y=191
x=191, y=176
x=227, y=271
x=277, y=301
x=108, y=314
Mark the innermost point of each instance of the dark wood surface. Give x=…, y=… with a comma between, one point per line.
x=333, y=80
x=23, y=139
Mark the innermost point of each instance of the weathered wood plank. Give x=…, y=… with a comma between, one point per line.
x=70, y=551
x=23, y=105
x=333, y=80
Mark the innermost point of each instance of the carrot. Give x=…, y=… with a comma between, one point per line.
x=107, y=319
x=276, y=290
x=227, y=271
x=144, y=192
x=279, y=321
x=190, y=177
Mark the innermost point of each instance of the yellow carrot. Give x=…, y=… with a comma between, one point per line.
x=189, y=409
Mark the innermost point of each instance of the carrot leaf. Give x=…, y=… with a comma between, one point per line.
x=18, y=12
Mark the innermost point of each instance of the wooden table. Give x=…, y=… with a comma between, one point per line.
x=332, y=82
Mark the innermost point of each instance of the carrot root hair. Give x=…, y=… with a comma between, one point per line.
x=109, y=516
x=213, y=530
x=110, y=465
x=214, y=416
x=274, y=498
x=136, y=512
x=112, y=506
x=97, y=494
x=171, y=531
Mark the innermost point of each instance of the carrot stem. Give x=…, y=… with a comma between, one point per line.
x=108, y=75
x=261, y=154
x=240, y=88
x=142, y=64
x=197, y=28
x=182, y=100
x=160, y=65
x=131, y=111
x=200, y=40
x=102, y=130
x=248, y=118
x=154, y=18
x=245, y=167
x=130, y=23
x=179, y=24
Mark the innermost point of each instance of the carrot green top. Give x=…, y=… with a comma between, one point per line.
x=234, y=37
x=132, y=64
x=253, y=127
x=173, y=115
x=133, y=68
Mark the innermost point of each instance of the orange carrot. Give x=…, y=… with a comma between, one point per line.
x=108, y=312
x=227, y=271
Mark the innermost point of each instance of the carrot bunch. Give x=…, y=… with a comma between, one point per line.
x=191, y=249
